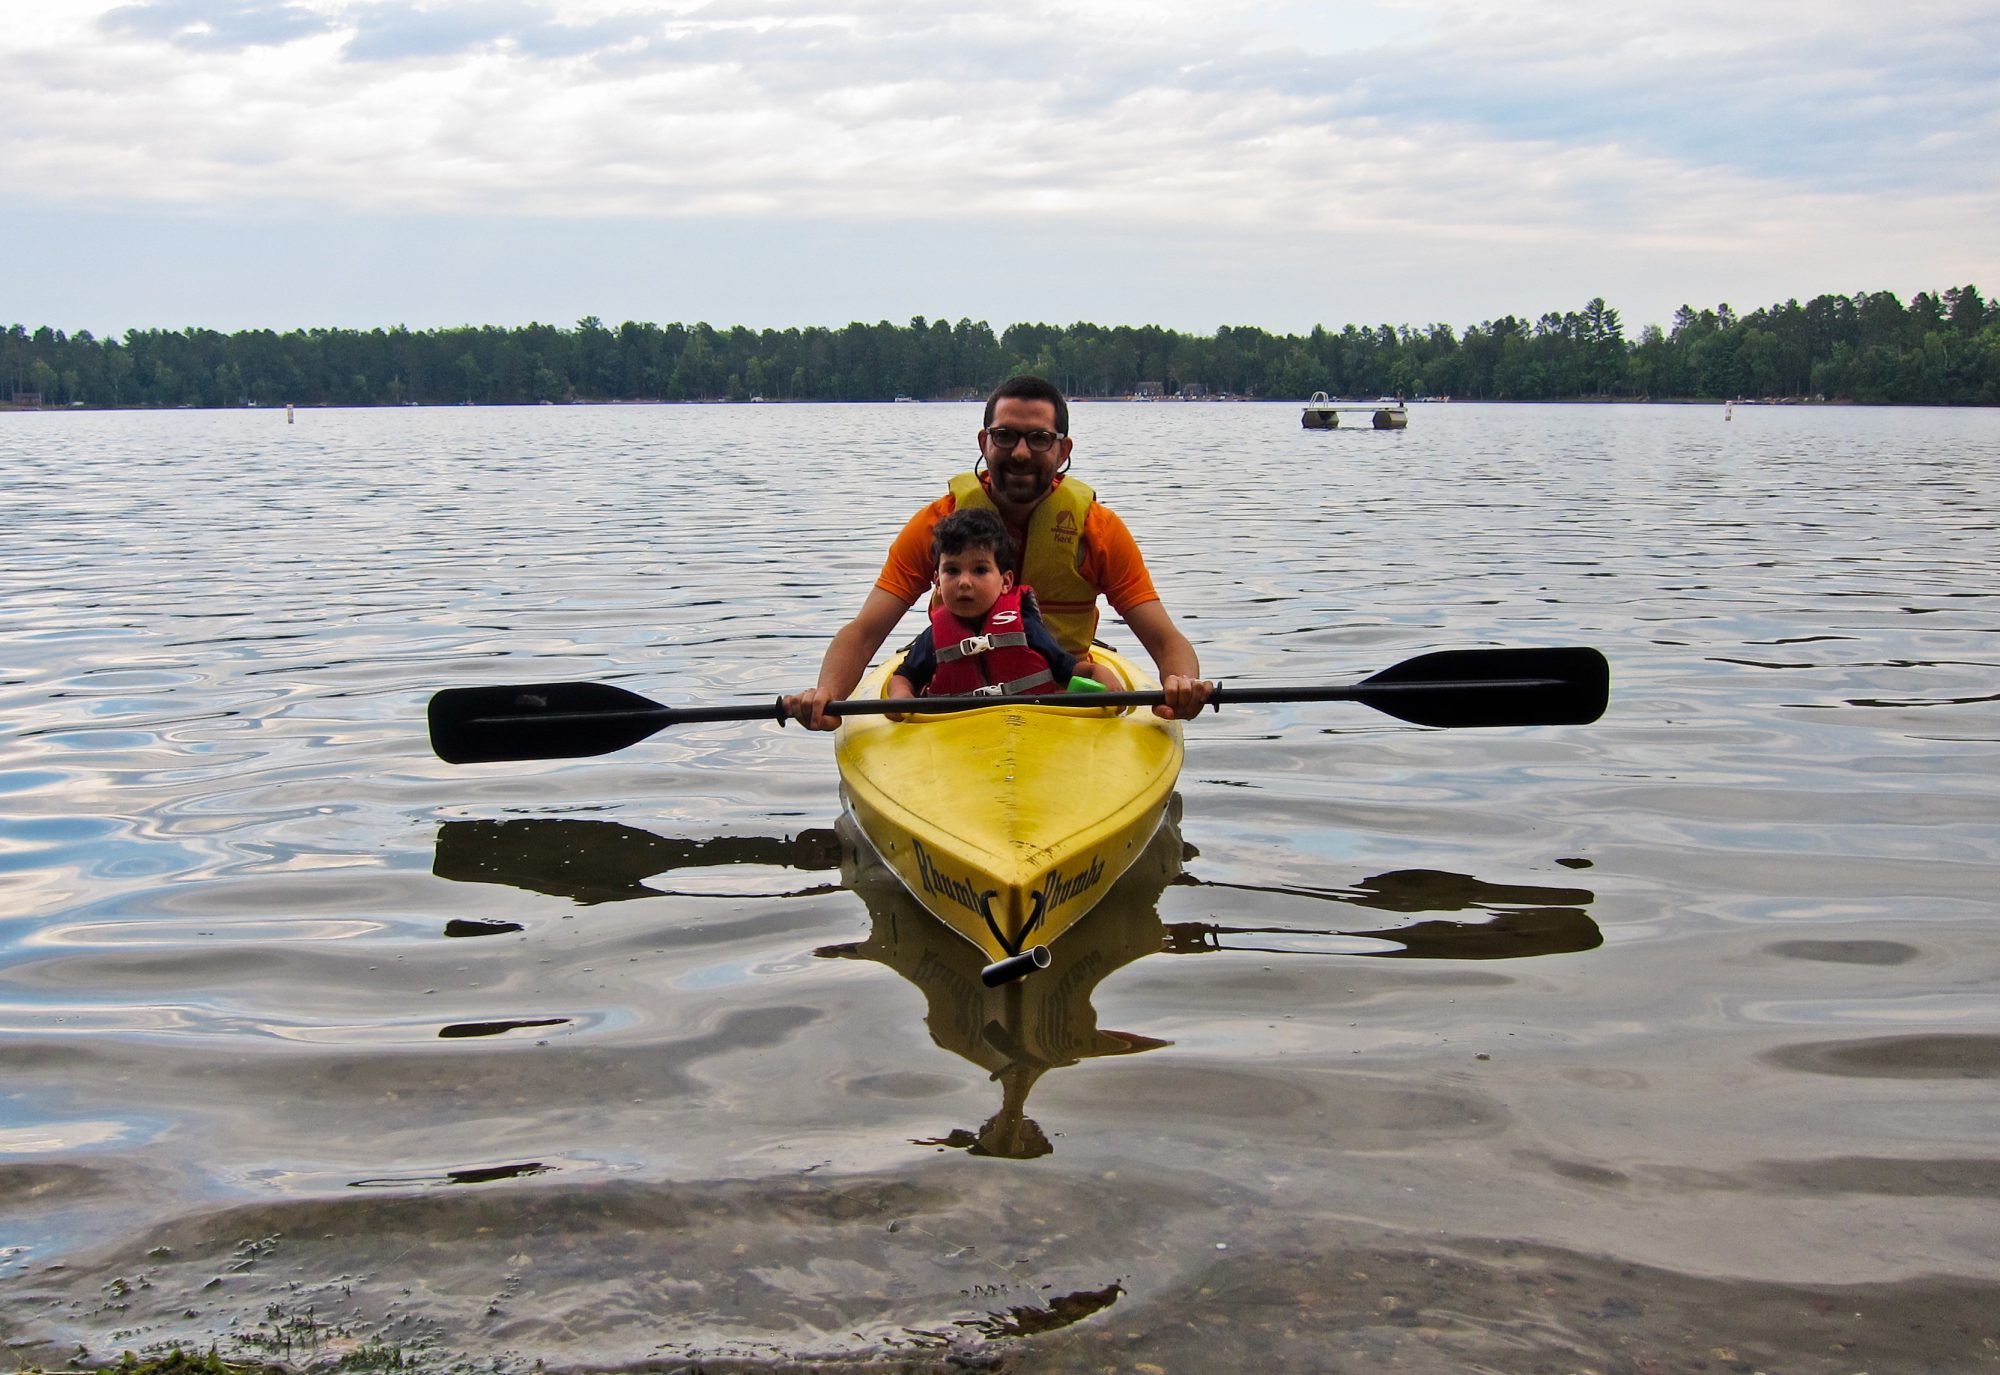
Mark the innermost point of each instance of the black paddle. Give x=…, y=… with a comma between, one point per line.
x=1455, y=687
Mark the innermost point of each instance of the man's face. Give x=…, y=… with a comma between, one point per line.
x=1022, y=477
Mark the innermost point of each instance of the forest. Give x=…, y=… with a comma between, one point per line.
x=1941, y=348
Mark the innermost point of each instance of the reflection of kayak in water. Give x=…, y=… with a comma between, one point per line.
x=1010, y=823
x=1021, y=1030
x=1024, y=1029
x=591, y=861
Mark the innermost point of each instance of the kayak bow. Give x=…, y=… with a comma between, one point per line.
x=1008, y=822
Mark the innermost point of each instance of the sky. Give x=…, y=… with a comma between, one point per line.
x=1190, y=163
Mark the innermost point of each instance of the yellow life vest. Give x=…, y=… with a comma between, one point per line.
x=1049, y=560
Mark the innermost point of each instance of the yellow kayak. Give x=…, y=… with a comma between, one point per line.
x=1010, y=822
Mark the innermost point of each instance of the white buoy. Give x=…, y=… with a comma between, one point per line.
x=288, y=412
x=1729, y=410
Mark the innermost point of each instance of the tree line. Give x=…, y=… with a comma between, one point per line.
x=1940, y=348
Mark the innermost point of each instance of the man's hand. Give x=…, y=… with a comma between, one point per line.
x=846, y=659
x=809, y=709
x=1185, y=697
x=1180, y=671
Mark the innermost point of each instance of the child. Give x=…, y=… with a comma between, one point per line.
x=992, y=633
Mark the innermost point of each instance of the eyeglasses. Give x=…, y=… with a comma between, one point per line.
x=1004, y=439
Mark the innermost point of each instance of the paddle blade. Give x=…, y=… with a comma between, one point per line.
x=1493, y=687
x=483, y=725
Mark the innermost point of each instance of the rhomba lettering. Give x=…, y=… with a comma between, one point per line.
x=937, y=883
x=1057, y=890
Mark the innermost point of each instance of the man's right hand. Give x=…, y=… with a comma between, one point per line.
x=847, y=657
x=809, y=709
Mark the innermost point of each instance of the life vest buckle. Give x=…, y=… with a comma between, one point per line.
x=975, y=644
x=990, y=690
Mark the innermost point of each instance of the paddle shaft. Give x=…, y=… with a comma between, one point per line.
x=932, y=706
x=1449, y=688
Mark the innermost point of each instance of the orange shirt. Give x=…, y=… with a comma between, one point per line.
x=1110, y=562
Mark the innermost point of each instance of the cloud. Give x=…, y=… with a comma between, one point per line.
x=388, y=31
x=203, y=25
x=787, y=95
x=1416, y=132
x=1849, y=96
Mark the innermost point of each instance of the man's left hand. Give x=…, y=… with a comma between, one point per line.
x=1185, y=697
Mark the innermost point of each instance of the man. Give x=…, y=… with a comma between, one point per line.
x=1072, y=549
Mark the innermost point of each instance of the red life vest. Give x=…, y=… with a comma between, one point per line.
x=991, y=660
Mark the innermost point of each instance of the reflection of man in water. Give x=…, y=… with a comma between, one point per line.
x=1009, y=1133
x=1020, y=1032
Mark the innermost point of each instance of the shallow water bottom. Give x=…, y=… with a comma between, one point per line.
x=923, y=1277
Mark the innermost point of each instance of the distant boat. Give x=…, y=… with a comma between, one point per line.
x=1323, y=412
x=901, y=397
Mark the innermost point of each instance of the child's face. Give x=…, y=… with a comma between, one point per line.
x=970, y=582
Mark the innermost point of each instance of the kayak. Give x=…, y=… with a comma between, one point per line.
x=1008, y=823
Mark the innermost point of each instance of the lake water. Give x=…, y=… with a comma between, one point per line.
x=1668, y=1043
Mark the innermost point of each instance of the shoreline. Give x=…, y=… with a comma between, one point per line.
x=7, y=407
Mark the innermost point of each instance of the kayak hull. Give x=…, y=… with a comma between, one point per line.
x=1009, y=823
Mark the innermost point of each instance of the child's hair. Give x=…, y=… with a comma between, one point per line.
x=974, y=528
